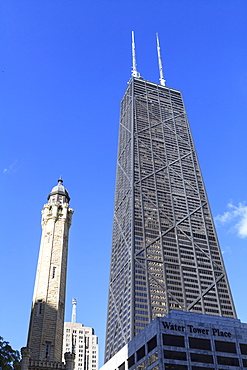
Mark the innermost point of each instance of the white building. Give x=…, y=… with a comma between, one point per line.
x=81, y=341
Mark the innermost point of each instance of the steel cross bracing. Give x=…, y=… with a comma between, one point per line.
x=165, y=252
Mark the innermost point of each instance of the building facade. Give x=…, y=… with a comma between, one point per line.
x=185, y=341
x=82, y=342
x=165, y=251
x=45, y=337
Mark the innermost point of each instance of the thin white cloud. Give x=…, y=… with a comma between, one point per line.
x=11, y=167
x=237, y=216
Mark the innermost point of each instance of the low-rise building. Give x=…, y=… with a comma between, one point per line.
x=185, y=341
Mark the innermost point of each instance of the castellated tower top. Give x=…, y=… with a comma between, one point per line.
x=59, y=193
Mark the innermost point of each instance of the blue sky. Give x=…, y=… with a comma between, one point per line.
x=64, y=68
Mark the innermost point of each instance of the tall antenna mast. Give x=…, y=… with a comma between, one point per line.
x=134, y=71
x=73, y=318
x=162, y=80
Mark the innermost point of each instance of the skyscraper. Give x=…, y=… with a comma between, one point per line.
x=165, y=251
x=45, y=338
x=81, y=341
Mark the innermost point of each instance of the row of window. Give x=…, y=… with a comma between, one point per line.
x=204, y=344
x=75, y=331
x=203, y=358
x=141, y=352
x=194, y=343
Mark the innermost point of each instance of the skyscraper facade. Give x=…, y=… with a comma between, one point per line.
x=165, y=251
x=81, y=341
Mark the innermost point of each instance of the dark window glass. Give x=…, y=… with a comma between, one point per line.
x=131, y=361
x=47, y=350
x=199, y=357
x=228, y=347
x=175, y=367
x=140, y=353
x=200, y=343
x=175, y=355
x=152, y=343
x=243, y=348
x=244, y=362
x=200, y=368
x=232, y=361
x=173, y=340
x=122, y=367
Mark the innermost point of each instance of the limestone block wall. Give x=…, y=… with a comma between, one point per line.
x=47, y=317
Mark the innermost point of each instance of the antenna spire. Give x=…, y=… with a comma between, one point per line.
x=73, y=318
x=134, y=71
x=162, y=80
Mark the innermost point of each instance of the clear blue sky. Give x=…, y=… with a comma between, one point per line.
x=64, y=67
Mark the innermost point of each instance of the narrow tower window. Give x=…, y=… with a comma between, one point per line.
x=47, y=350
x=53, y=272
x=39, y=310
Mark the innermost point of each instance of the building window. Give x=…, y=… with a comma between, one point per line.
x=122, y=367
x=175, y=367
x=47, y=350
x=244, y=362
x=173, y=340
x=243, y=348
x=152, y=343
x=39, y=308
x=140, y=353
x=199, y=357
x=152, y=358
x=141, y=366
x=53, y=272
x=199, y=343
x=228, y=347
x=231, y=361
x=131, y=361
x=175, y=355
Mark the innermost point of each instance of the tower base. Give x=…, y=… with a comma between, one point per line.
x=28, y=364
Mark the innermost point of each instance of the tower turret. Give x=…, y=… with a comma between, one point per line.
x=59, y=193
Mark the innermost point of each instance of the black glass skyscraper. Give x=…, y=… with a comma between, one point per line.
x=165, y=251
